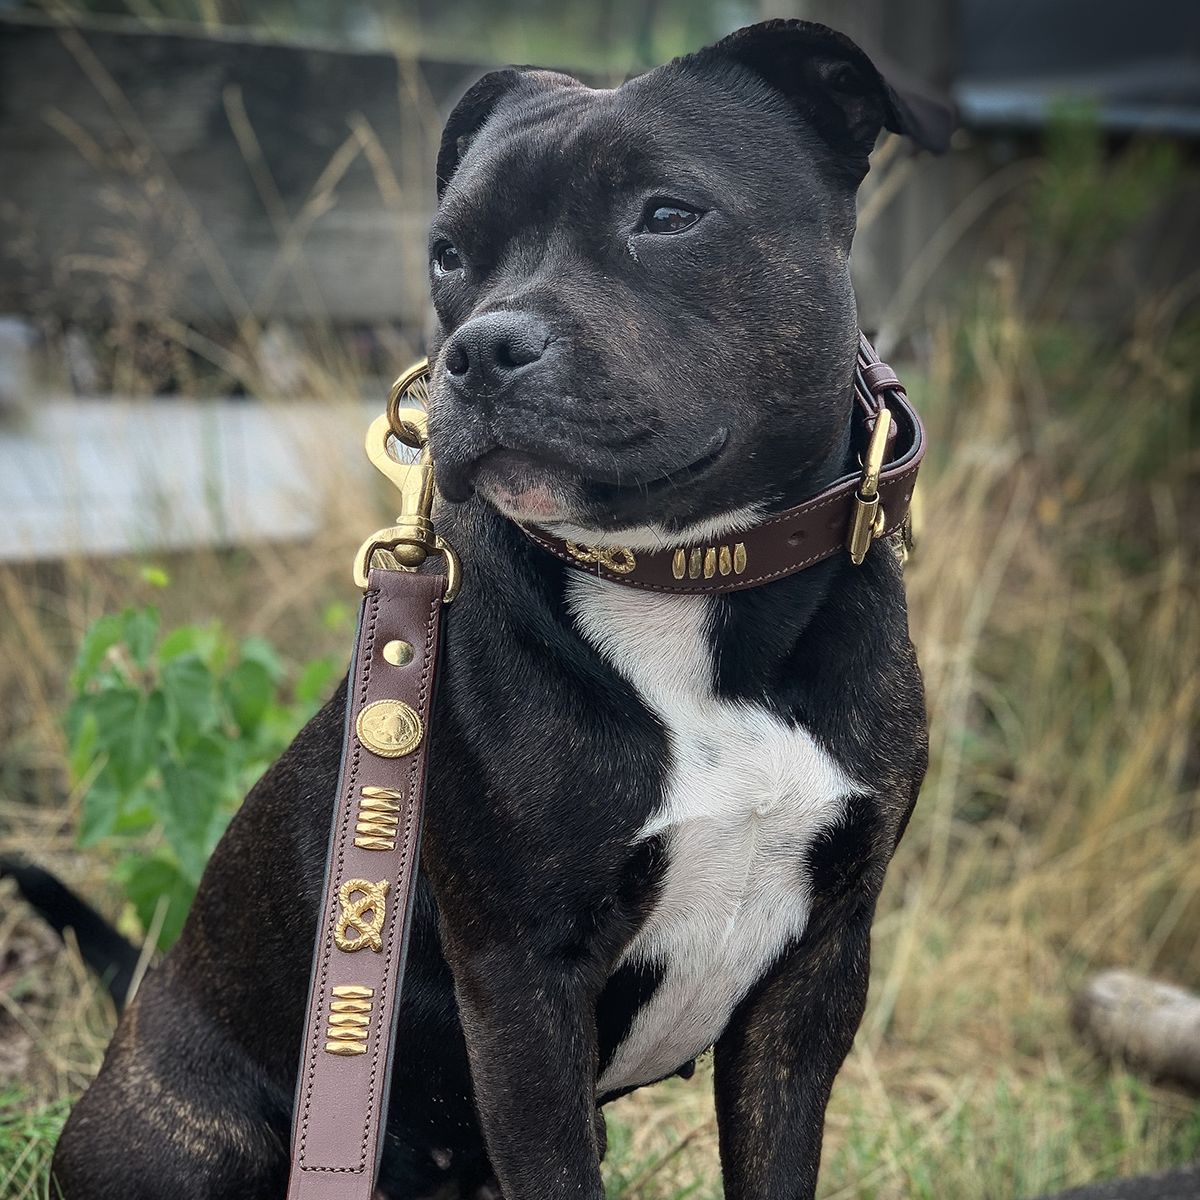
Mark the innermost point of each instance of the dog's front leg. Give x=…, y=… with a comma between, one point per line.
x=530, y=1031
x=776, y=1061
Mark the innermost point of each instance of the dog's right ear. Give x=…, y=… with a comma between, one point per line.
x=471, y=113
x=468, y=117
x=833, y=85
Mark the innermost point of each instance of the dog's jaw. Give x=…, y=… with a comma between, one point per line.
x=521, y=488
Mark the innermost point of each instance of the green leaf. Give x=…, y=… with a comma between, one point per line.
x=188, y=802
x=259, y=650
x=154, y=576
x=248, y=691
x=101, y=635
x=98, y=813
x=191, y=699
x=139, y=629
x=129, y=724
x=146, y=880
x=206, y=642
x=136, y=816
x=82, y=735
x=314, y=679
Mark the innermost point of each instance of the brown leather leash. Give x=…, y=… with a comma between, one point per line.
x=370, y=879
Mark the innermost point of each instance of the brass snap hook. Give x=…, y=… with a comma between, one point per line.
x=406, y=544
x=867, y=520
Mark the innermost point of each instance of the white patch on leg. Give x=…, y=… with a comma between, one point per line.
x=745, y=795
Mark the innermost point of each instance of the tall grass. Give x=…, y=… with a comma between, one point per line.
x=1055, y=607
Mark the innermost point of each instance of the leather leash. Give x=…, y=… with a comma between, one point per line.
x=342, y=1086
x=371, y=873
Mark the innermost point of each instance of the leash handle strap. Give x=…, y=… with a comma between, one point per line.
x=370, y=881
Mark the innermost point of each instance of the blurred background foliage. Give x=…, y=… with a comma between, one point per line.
x=597, y=34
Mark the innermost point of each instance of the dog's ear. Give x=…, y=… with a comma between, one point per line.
x=468, y=117
x=471, y=113
x=835, y=86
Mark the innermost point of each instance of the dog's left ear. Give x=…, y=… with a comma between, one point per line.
x=836, y=87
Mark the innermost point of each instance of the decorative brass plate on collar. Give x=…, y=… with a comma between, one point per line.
x=389, y=728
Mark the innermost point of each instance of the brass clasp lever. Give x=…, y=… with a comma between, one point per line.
x=867, y=520
x=405, y=545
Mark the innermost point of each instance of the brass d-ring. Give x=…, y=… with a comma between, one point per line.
x=405, y=418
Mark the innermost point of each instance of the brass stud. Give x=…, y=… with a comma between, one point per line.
x=694, y=565
x=739, y=557
x=710, y=562
x=398, y=653
x=679, y=564
x=725, y=561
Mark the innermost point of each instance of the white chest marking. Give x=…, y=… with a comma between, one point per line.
x=744, y=796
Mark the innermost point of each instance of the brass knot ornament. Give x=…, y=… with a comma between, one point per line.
x=619, y=559
x=364, y=915
x=389, y=728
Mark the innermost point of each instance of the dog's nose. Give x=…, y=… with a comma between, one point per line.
x=488, y=351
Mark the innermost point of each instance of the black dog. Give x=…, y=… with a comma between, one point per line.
x=654, y=823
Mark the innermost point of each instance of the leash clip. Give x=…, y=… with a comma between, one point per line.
x=405, y=545
x=867, y=519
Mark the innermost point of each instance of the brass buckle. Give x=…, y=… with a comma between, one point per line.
x=867, y=520
x=405, y=545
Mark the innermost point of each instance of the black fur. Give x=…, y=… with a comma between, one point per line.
x=677, y=378
x=113, y=958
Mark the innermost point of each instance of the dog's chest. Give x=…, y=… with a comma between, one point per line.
x=745, y=794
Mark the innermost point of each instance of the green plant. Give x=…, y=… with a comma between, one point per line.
x=167, y=732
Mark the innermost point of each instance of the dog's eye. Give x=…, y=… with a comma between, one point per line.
x=446, y=259
x=665, y=217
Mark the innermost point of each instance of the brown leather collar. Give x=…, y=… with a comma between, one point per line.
x=782, y=543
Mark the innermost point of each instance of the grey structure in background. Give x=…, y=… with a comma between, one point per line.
x=1138, y=63
x=161, y=171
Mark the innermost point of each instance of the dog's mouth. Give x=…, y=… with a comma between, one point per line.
x=540, y=486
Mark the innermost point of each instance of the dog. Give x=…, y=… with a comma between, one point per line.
x=655, y=824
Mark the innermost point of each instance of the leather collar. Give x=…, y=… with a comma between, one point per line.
x=783, y=543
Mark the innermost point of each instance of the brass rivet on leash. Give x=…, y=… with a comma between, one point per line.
x=398, y=653
x=389, y=728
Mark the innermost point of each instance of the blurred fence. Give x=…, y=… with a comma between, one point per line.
x=150, y=171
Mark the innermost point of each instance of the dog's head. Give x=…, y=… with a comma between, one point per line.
x=643, y=295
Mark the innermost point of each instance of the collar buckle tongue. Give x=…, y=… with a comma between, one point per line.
x=867, y=520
